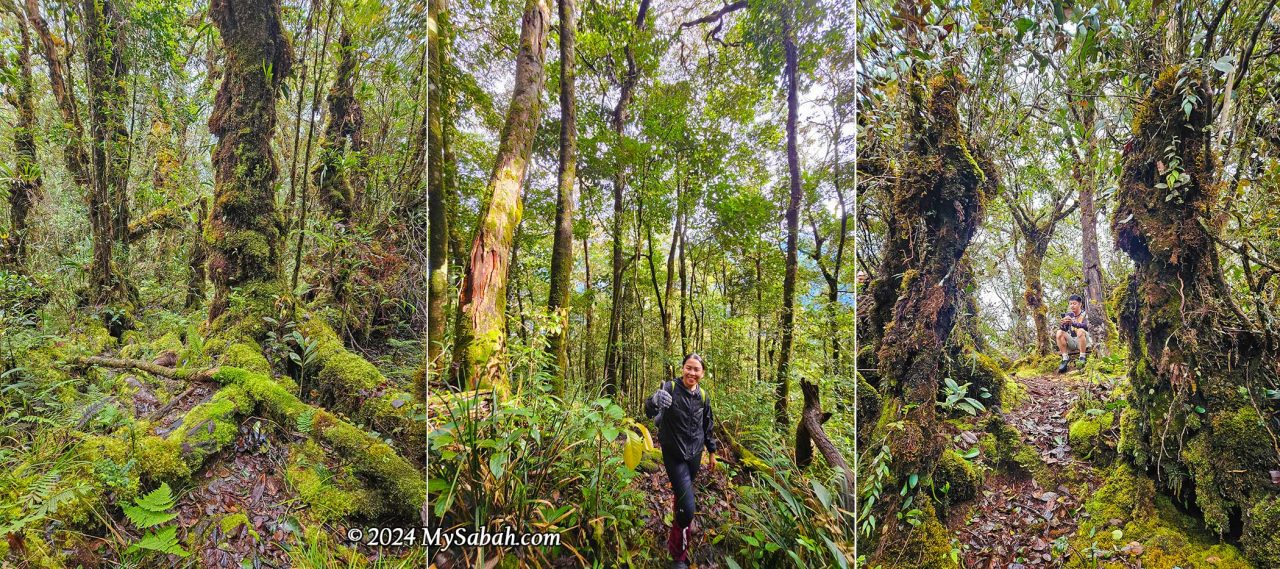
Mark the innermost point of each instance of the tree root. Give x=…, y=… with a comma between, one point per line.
x=350, y=384
x=181, y=374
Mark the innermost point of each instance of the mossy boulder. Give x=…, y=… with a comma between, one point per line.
x=1261, y=539
x=927, y=545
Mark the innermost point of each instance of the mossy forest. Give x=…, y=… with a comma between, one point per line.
x=212, y=302
x=1067, y=212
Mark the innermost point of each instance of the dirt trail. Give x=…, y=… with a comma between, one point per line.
x=1014, y=520
x=714, y=493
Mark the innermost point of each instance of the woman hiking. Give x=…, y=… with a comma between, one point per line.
x=682, y=412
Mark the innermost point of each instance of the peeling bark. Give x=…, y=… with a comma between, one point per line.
x=483, y=297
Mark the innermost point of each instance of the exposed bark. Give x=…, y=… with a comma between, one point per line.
x=809, y=432
x=562, y=244
x=438, y=220
x=483, y=297
x=25, y=189
x=243, y=230
x=618, y=120
x=793, y=223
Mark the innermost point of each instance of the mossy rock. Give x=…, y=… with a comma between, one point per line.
x=958, y=476
x=1002, y=445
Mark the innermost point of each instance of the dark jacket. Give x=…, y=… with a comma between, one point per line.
x=685, y=425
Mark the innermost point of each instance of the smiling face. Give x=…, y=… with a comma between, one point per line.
x=692, y=373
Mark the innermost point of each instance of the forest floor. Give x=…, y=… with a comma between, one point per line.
x=1015, y=519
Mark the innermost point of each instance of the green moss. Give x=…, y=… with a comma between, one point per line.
x=1127, y=506
x=330, y=495
x=246, y=355
x=369, y=457
x=980, y=372
x=959, y=476
x=868, y=406
x=230, y=522
x=1086, y=434
x=1261, y=539
x=927, y=546
x=346, y=379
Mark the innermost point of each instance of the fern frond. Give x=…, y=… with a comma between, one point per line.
x=163, y=541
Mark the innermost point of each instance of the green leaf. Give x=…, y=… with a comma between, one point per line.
x=153, y=509
x=835, y=551
x=1024, y=25
x=164, y=541
x=497, y=464
x=913, y=480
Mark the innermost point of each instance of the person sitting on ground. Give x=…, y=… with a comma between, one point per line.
x=683, y=414
x=1073, y=332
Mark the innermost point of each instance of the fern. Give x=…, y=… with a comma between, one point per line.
x=163, y=541
x=153, y=509
x=304, y=421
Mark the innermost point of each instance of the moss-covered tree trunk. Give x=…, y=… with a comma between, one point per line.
x=244, y=230
x=26, y=183
x=342, y=135
x=1198, y=417
x=562, y=244
x=1082, y=174
x=77, y=159
x=484, y=286
x=1036, y=232
x=939, y=201
x=109, y=155
x=438, y=220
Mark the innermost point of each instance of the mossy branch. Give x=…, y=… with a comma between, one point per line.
x=181, y=374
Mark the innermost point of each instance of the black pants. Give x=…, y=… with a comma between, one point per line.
x=682, y=473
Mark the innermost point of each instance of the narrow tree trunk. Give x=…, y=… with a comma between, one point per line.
x=613, y=359
x=196, y=260
x=589, y=333
x=243, y=233
x=108, y=202
x=438, y=220
x=562, y=244
x=341, y=135
x=483, y=296
x=793, y=226
x=1031, y=260
x=1093, y=283
x=26, y=186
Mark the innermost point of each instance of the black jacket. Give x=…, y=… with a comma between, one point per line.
x=685, y=425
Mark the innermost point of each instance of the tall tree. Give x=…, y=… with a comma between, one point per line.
x=26, y=185
x=243, y=232
x=342, y=135
x=1035, y=228
x=1082, y=173
x=618, y=120
x=791, y=74
x=108, y=196
x=941, y=205
x=562, y=244
x=483, y=297
x=438, y=220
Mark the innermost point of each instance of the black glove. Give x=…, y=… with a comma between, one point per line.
x=661, y=399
